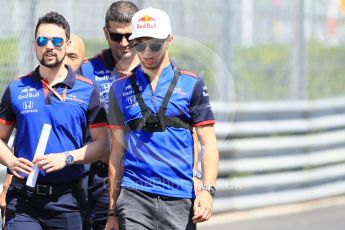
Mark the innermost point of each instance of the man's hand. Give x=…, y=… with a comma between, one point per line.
x=18, y=165
x=112, y=223
x=3, y=197
x=3, y=201
x=203, y=207
x=51, y=162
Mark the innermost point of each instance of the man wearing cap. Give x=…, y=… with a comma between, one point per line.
x=152, y=114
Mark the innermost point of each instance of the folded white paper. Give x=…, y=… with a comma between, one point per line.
x=41, y=147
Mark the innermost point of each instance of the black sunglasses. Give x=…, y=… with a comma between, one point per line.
x=117, y=37
x=154, y=47
x=42, y=41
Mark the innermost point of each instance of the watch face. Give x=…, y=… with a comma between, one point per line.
x=69, y=159
x=213, y=191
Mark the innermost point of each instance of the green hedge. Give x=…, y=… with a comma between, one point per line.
x=263, y=72
x=260, y=73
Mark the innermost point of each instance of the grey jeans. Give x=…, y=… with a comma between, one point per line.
x=141, y=210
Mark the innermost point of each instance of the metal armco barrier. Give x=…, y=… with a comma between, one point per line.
x=279, y=152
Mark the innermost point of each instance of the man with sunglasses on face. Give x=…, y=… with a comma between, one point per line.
x=151, y=115
x=51, y=96
x=74, y=57
x=103, y=69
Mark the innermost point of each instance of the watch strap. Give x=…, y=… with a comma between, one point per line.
x=112, y=212
x=210, y=188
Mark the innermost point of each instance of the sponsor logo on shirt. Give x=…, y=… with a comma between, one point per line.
x=28, y=93
x=179, y=91
x=131, y=100
x=105, y=87
x=28, y=107
x=102, y=72
x=129, y=91
x=73, y=97
x=104, y=78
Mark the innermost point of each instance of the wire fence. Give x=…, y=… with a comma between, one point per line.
x=247, y=50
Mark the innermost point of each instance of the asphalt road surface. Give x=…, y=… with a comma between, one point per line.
x=328, y=218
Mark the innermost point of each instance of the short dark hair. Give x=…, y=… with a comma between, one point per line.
x=120, y=11
x=54, y=18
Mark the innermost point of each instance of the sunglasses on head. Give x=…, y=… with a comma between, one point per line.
x=42, y=41
x=117, y=37
x=154, y=47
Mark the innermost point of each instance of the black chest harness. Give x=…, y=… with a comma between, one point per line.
x=156, y=122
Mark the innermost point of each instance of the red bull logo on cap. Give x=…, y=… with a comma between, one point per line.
x=146, y=18
x=146, y=22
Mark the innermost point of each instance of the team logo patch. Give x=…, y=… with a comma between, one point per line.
x=28, y=107
x=131, y=100
x=146, y=22
x=73, y=97
x=127, y=91
x=28, y=93
x=179, y=91
x=28, y=104
x=105, y=87
x=103, y=78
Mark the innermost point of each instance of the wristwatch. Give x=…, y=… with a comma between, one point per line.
x=112, y=212
x=69, y=158
x=210, y=188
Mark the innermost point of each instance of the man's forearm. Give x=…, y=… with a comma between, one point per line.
x=116, y=165
x=115, y=178
x=210, y=165
x=8, y=180
x=6, y=157
x=97, y=149
x=210, y=154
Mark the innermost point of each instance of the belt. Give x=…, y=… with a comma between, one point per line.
x=46, y=189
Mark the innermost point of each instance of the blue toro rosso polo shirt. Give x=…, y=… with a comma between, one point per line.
x=28, y=104
x=99, y=70
x=160, y=162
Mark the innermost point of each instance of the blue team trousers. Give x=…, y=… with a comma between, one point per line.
x=98, y=194
x=28, y=210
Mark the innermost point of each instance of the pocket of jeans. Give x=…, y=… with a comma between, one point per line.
x=189, y=203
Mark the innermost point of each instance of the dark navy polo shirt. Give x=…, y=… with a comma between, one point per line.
x=28, y=105
x=99, y=70
x=160, y=162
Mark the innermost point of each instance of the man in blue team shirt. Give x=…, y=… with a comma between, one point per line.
x=52, y=94
x=111, y=63
x=151, y=114
x=74, y=57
